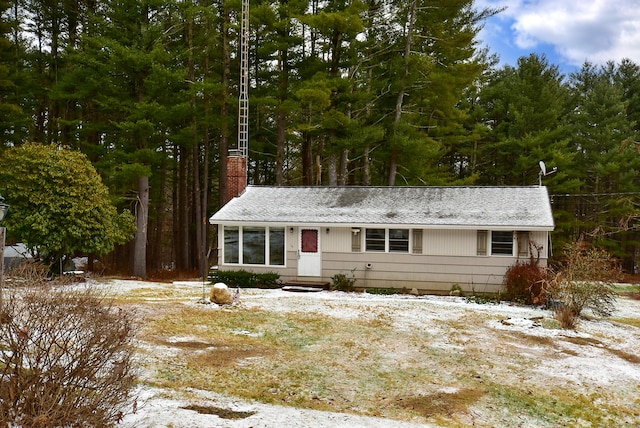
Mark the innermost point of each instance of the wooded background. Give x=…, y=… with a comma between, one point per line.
x=371, y=92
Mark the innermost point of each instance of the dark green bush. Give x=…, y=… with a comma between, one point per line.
x=483, y=299
x=383, y=291
x=245, y=279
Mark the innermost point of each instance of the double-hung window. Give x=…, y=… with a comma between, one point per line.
x=502, y=243
x=254, y=245
x=387, y=240
x=399, y=240
x=375, y=240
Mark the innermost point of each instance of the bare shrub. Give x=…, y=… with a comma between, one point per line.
x=65, y=358
x=523, y=282
x=566, y=316
x=584, y=281
x=29, y=272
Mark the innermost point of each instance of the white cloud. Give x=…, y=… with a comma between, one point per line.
x=579, y=30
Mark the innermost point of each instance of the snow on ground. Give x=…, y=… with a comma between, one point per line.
x=579, y=364
x=157, y=410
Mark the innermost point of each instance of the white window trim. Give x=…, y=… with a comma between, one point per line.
x=386, y=241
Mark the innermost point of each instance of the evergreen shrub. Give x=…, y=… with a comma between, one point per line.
x=343, y=282
x=383, y=291
x=245, y=279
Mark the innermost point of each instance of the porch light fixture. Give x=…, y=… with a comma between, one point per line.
x=291, y=230
x=328, y=230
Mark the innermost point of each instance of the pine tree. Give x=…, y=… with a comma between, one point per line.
x=11, y=113
x=426, y=58
x=524, y=108
x=608, y=160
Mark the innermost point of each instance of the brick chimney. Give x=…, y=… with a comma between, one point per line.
x=236, y=174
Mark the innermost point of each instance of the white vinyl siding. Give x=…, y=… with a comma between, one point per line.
x=523, y=244
x=417, y=241
x=482, y=243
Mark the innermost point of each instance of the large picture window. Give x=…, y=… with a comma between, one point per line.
x=387, y=240
x=502, y=243
x=254, y=245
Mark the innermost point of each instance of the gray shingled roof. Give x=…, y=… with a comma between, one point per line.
x=456, y=207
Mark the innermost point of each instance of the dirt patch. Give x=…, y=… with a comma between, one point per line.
x=187, y=344
x=583, y=341
x=530, y=339
x=442, y=403
x=632, y=358
x=223, y=413
x=226, y=356
x=635, y=295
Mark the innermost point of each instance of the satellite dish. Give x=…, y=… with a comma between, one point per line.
x=543, y=172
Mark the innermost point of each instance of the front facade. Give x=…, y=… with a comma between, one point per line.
x=427, y=238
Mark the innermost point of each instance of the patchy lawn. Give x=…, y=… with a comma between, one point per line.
x=338, y=359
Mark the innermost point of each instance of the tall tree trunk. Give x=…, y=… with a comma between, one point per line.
x=333, y=169
x=158, y=202
x=282, y=126
x=204, y=268
x=393, y=167
x=175, y=221
x=224, y=113
x=197, y=207
x=393, y=162
x=142, y=216
x=343, y=173
x=283, y=88
x=183, y=210
x=307, y=160
x=195, y=155
x=206, y=141
x=366, y=167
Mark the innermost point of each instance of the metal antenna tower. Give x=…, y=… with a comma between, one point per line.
x=243, y=101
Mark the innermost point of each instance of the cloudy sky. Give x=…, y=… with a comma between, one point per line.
x=569, y=32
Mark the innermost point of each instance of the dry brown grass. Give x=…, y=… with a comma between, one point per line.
x=306, y=360
x=588, y=341
x=368, y=365
x=442, y=403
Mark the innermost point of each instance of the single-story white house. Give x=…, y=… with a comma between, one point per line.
x=427, y=238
